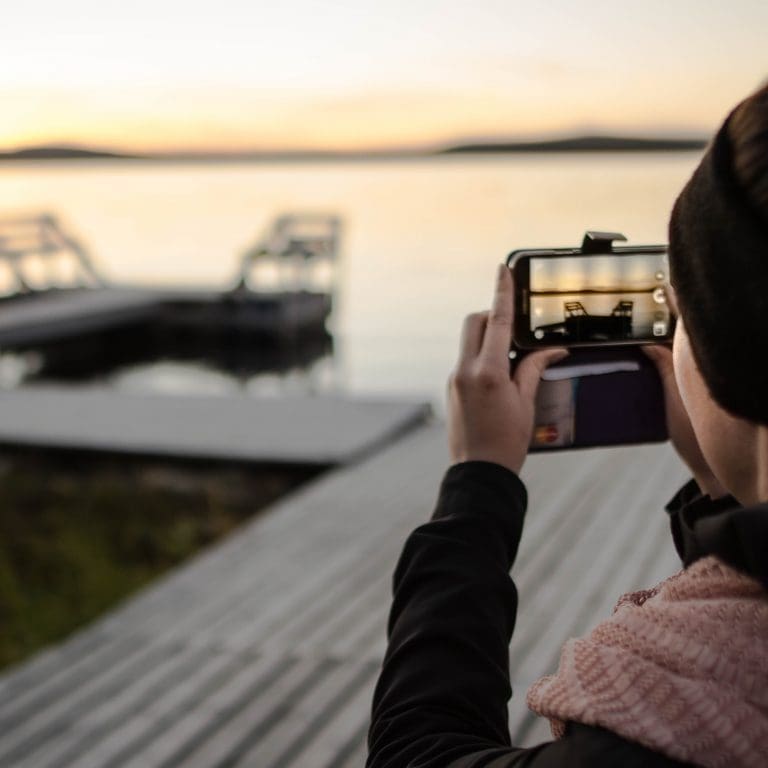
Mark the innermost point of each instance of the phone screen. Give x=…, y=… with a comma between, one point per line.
x=585, y=299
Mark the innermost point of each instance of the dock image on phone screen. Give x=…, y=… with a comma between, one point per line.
x=599, y=298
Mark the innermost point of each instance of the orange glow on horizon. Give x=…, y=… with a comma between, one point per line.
x=199, y=120
x=240, y=76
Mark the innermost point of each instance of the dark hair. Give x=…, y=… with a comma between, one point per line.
x=718, y=254
x=748, y=132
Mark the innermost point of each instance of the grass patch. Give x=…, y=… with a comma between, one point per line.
x=80, y=533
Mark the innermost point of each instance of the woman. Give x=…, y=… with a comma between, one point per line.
x=678, y=675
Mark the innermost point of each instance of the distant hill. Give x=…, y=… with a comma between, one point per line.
x=59, y=153
x=576, y=144
x=582, y=144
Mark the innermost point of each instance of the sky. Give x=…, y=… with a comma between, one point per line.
x=239, y=75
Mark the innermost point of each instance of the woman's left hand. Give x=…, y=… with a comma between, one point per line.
x=490, y=413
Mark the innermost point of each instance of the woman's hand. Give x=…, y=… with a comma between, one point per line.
x=491, y=413
x=679, y=424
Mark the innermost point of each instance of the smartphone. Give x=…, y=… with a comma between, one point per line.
x=599, y=397
x=591, y=296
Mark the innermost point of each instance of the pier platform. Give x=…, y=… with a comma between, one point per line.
x=26, y=321
x=308, y=430
x=53, y=291
x=49, y=317
x=263, y=651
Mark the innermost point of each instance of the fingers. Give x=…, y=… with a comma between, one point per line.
x=662, y=358
x=472, y=336
x=528, y=373
x=498, y=331
x=672, y=300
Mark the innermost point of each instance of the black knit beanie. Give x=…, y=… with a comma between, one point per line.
x=718, y=254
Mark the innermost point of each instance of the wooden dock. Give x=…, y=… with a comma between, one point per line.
x=310, y=430
x=263, y=651
x=47, y=318
x=56, y=293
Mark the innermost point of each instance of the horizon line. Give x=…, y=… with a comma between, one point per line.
x=581, y=141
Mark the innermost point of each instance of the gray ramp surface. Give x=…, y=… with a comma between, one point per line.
x=264, y=650
x=303, y=430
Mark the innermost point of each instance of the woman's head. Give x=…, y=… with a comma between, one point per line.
x=719, y=268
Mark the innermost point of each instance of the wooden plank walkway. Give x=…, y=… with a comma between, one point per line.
x=300, y=430
x=263, y=651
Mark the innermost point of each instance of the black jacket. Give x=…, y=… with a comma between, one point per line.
x=441, y=698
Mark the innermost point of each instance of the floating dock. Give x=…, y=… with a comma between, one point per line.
x=263, y=651
x=35, y=321
x=314, y=430
x=283, y=291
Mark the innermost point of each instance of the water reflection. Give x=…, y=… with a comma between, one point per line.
x=147, y=360
x=175, y=377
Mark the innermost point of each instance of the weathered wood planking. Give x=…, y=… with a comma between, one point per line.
x=319, y=429
x=264, y=650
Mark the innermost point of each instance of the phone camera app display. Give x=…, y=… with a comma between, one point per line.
x=599, y=298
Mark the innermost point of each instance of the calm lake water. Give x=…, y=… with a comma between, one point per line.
x=420, y=245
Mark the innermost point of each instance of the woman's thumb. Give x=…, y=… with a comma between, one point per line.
x=528, y=373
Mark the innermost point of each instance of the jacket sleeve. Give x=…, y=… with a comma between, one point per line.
x=444, y=686
x=441, y=698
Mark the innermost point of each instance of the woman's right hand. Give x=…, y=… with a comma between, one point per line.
x=679, y=425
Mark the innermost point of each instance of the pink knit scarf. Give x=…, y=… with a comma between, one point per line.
x=681, y=668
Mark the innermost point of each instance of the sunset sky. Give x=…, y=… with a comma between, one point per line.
x=354, y=74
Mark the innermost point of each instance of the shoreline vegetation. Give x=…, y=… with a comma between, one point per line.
x=81, y=533
x=573, y=144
